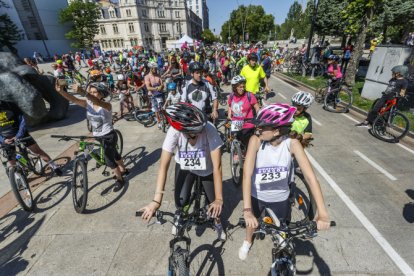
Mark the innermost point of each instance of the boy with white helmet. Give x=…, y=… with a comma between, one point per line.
x=302, y=124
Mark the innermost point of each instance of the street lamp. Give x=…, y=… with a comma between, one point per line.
x=315, y=11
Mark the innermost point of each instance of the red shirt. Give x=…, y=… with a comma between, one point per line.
x=184, y=66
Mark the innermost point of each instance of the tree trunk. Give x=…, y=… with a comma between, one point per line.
x=343, y=42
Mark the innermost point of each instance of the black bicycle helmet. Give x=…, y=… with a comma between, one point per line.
x=400, y=69
x=186, y=118
x=101, y=88
x=195, y=66
x=252, y=56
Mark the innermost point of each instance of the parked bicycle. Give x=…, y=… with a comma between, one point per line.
x=194, y=213
x=335, y=97
x=87, y=148
x=26, y=162
x=282, y=235
x=391, y=125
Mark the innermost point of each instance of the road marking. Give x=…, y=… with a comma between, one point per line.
x=317, y=122
x=281, y=95
x=402, y=265
x=375, y=165
x=406, y=148
x=350, y=118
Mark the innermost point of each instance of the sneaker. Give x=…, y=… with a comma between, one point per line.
x=363, y=124
x=159, y=126
x=221, y=234
x=58, y=171
x=244, y=250
x=118, y=185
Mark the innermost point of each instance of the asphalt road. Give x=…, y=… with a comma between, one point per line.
x=367, y=186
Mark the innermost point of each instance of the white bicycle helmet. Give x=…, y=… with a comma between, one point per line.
x=303, y=98
x=120, y=77
x=238, y=79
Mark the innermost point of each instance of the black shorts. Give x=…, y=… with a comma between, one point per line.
x=10, y=150
x=109, y=142
x=244, y=136
x=281, y=209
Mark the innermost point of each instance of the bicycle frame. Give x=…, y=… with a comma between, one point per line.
x=85, y=148
x=389, y=106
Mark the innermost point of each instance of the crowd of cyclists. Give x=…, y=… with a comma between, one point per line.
x=274, y=135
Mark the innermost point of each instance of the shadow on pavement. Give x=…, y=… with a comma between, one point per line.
x=408, y=211
x=11, y=262
x=206, y=259
x=306, y=248
x=52, y=196
x=132, y=156
x=74, y=115
x=146, y=160
x=232, y=195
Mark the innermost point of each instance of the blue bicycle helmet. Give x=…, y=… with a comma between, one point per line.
x=172, y=86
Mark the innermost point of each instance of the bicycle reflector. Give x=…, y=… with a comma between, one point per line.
x=300, y=200
x=268, y=220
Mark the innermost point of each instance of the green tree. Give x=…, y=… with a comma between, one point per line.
x=208, y=36
x=9, y=32
x=252, y=20
x=329, y=21
x=84, y=18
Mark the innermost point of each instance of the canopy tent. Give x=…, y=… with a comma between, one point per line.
x=180, y=42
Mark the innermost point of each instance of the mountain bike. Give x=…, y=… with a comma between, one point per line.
x=335, y=97
x=282, y=235
x=86, y=149
x=26, y=162
x=391, y=125
x=301, y=200
x=183, y=220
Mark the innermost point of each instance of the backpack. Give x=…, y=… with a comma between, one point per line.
x=249, y=98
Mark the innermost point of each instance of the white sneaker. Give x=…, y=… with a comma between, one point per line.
x=221, y=234
x=159, y=126
x=244, y=250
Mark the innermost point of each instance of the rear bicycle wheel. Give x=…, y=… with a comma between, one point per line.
x=301, y=200
x=236, y=163
x=119, y=142
x=21, y=188
x=145, y=118
x=338, y=100
x=80, y=186
x=391, y=127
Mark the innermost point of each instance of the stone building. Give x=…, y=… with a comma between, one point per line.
x=200, y=8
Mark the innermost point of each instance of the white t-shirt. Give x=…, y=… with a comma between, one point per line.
x=100, y=120
x=174, y=98
x=190, y=157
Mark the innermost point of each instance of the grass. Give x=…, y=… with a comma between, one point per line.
x=360, y=102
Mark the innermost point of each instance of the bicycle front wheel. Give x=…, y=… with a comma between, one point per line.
x=338, y=100
x=391, y=127
x=36, y=165
x=179, y=267
x=236, y=163
x=21, y=188
x=119, y=142
x=80, y=186
x=145, y=118
x=320, y=94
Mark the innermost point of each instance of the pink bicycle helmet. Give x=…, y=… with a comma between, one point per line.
x=275, y=115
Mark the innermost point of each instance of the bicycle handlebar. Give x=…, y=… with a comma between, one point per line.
x=16, y=142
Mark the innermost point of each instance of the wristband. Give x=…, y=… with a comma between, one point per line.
x=159, y=203
x=247, y=210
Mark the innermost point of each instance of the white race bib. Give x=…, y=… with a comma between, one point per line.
x=193, y=160
x=270, y=176
x=237, y=125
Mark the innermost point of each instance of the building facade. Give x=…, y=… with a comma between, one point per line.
x=200, y=8
x=147, y=23
x=38, y=22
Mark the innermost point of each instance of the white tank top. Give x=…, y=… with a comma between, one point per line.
x=101, y=120
x=272, y=172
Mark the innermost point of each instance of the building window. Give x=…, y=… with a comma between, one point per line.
x=177, y=26
x=144, y=13
x=128, y=13
x=115, y=43
x=146, y=27
x=112, y=14
x=177, y=14
x=102, y=28
x=131, y=27
x=176, y=3
x=115, y=27
x=136, y=41
x=163, y=27
x=161, y=14
x=122, y=42
x=110, y=43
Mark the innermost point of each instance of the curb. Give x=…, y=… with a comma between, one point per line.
x=353, y=108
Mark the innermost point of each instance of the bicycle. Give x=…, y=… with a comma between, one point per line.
x=282, y=235
x=25, y=163
x=183, y=220
x=337, y=99
x=391, y=125
x=80, y=173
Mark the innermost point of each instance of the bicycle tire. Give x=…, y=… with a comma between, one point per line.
x=140, y=101
x=119, y=142
x=144, y=118
x=36, y=165
x=21, y=189
x=80, y=180
x=88, y=125
x=391, y=129
x=236, y=166
x=338, y=100
x=180, y=265
x=302, y=202
x=320, y=94
x=164, y=122
x=227, y=139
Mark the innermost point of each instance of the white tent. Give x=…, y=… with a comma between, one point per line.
x=185, y=38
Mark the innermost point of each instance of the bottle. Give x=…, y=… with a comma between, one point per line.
x=18, y=156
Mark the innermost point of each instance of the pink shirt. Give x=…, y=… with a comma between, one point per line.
x=338, y=71
x=241, y=108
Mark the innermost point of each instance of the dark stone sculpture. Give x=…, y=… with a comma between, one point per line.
x=22, y=85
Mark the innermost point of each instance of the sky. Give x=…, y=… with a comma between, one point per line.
x=220, y=10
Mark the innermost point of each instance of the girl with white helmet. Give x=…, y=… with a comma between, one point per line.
x=125, y=96
x=267, y=171
x=302, y=125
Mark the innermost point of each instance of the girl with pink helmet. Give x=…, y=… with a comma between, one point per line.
x=268, y=171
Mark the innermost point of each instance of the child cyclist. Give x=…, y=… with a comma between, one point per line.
x=173, y=96
x=271, y=149
x=242, y=105
x=190, y=135
x=99, y=114
x=302, y=125
x=125, y=96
